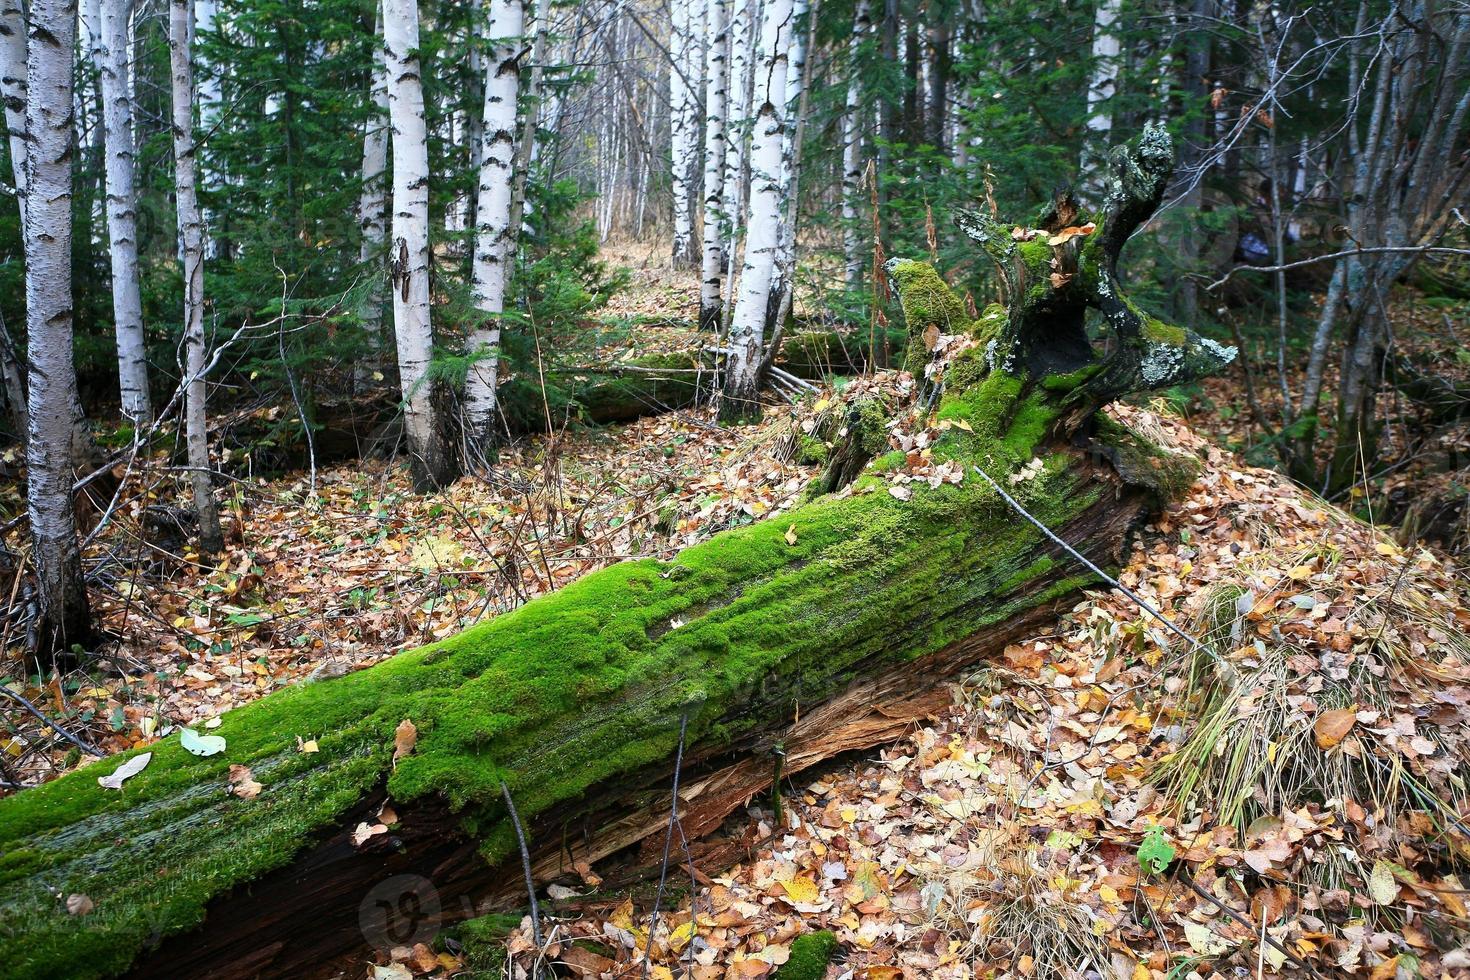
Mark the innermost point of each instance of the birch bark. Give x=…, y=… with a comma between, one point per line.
x=742, y=367
x=1102, y=85
x=783, y=268
x=373, y=203
x=13, y=91
x=191, y=257
x=717, y=76
x=494, y=237
x=683, y=123
x=63, y=617
x=122, y=215
x=432, y=463
x=852, y=151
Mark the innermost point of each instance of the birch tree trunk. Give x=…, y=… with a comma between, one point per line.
x=530, y=117
x=683, y=123
x=62, y=614
x=13, y=384
x=742, y=368
x=737, y=132
x=1102, y=85
x=433, y=465
x=494, y=236
x=122, y=216
x=13, y=91
x=852, y=151
x=373, y=203
x=717, y=77
x=191, y=257
x=783, y=270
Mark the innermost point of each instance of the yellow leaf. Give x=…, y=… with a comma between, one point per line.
x=1141, y=972
x=962, y=424
x=1300, y=573
x=681, y=936
x=801, y=889
x=791, y=535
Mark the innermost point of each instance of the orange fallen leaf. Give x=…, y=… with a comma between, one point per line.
x=1331, y=727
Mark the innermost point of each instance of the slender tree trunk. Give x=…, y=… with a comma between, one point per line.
x=13, y=91
x=433, y=463
x=717, y=76
x=530, y=117
x=852, y=152
x=1102, y=86
x=372, y=204
x=13, y=380
x=742, y=370
x=940, y=60
x=494, y=236
x=122, y=217
x=63, y=617
x=191, y=257
x=783, y=267
x=737, y=134
x=683, y=124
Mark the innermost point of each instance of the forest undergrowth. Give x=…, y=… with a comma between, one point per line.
x=1105, y=800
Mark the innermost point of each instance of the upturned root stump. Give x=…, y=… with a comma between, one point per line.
x=835, y=642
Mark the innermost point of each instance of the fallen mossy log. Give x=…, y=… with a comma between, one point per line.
x=605, y=394
x=816, y=354
x=828, y=630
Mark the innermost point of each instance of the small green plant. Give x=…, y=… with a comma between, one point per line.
x=1155, y=854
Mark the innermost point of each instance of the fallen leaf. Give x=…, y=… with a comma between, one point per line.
x=127, y=770
x=791, y=534
x=201, y=745
x=242, y=782
x=405, y=737
x=1331, y=727
x=79, y=904
x=307, y=746
x=1382, y=887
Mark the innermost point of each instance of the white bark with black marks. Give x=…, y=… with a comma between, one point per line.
x=409, y=255
x=372, y=204
x=1102, y=86
x=686, y=23
x=191, y=258
x=62, y=615
x=742, y=368
x=111, y=57
x=494, y=236
x=852, y=151
x=13, y=91
x=717, y=78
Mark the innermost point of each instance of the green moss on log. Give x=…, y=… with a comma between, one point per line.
x=819, y=353
x=570, y=691
x=810, y=955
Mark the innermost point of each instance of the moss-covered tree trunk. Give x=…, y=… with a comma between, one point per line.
x=826, y=631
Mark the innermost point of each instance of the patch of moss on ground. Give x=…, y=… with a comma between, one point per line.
x=810, y=954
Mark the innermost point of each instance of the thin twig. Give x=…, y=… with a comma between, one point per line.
x=89, y=749
x=663, y=871
x=515, y=821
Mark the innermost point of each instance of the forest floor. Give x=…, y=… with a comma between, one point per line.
x=1105, y=799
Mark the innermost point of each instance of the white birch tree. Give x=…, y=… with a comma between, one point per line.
x=737, y=131
x=494, y=237
x=852, y=151
x=63, y=617
x=1102, y=84
x=372, y=205
x=191, y=258
x=762, y=238
x=433, y=464
x=684, y=79
x=717, y=75
x=783, y=269
x=13, y=91
x=112, y=59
